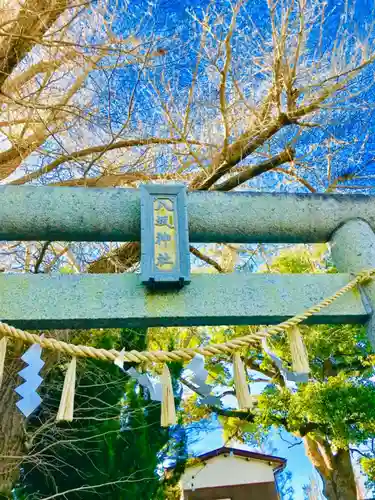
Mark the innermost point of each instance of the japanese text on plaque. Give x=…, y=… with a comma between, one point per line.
x=164, y=234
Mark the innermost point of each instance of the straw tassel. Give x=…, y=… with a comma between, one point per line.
x=240, y=381
x=3, y=350
x=300, y=360
x=66, y=407
x=168, y=410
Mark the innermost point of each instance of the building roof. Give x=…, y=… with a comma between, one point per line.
x=278, y=463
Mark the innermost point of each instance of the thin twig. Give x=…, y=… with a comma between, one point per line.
x=206, y=259
x=41, y=256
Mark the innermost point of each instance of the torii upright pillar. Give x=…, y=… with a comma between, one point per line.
x=353, y=250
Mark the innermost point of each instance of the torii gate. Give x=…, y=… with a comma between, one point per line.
x=86, y=300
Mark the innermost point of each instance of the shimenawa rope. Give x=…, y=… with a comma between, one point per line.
x=185, y=354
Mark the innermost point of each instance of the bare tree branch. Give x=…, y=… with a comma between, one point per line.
x=36, y=17
x=255, y=170
x=205, y=258
x=41, y=256
x=298, y=178
x=125, y=143
x=238, y=151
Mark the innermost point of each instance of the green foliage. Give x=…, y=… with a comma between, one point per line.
x=67, y=269
x=337, y=405
x=301, y=259
x=339, y=400
x=368, y=467
x=117, y=430
x=341, y=409
x=114, y=445
x=332, y=349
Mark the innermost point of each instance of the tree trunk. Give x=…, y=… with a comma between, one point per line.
x=335, y=470
x=13, y=449
x=343, y=476
x=118, y=261
x=12, y=433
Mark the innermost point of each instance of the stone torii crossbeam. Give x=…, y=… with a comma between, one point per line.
x=86, y=300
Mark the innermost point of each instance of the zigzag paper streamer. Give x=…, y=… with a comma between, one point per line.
x=200, y=374
x=288, y=375
x=196, y=366
x=211, y=400
x=143, y=379
x=30, y=398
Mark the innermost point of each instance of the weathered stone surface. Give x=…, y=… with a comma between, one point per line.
x=68, y=214
x=353, y=249
x=83, y=301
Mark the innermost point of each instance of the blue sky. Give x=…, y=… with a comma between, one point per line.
x=355, y=123
x=161, y=18
x=286, y=446
x=297, y=462
x=352, y=125
x=167, y=16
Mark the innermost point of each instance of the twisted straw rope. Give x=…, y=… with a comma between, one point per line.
x=180, y=354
